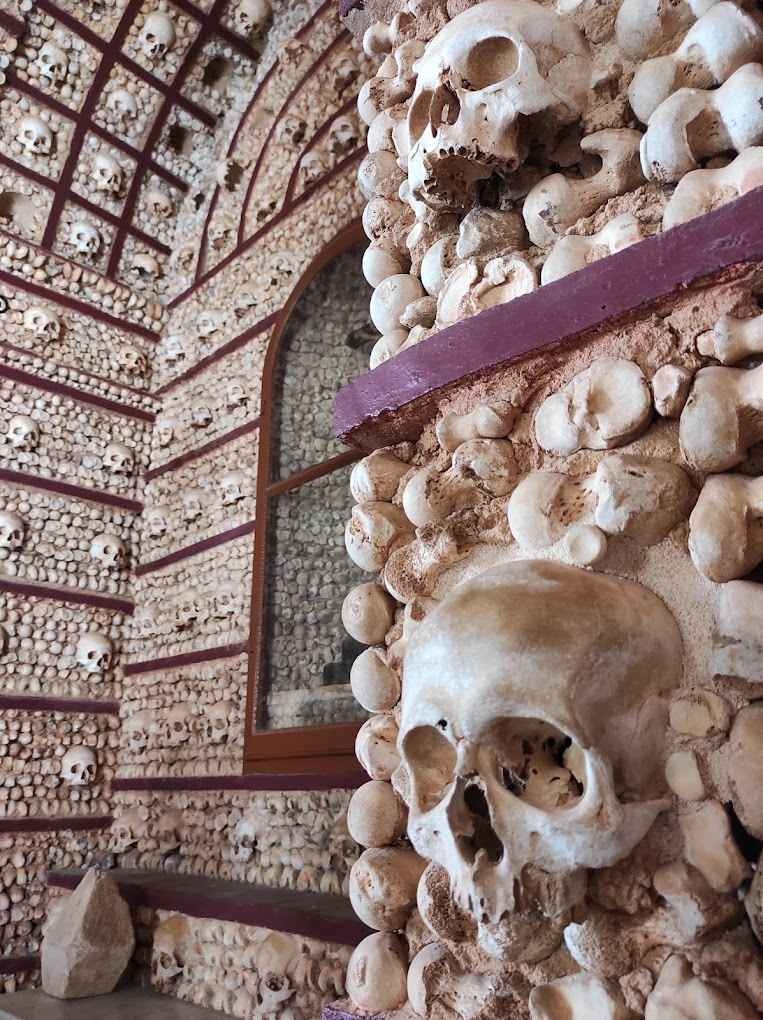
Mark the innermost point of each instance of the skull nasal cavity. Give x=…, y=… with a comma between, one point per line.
x=484, y=836
x=444, y=108
x=489, y=62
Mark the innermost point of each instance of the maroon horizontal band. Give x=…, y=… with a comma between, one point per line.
x=395, y=400
x=192, y=550
x=81, y=396
x=202, y=451
x=18, y=964
x=23, y=284
x=228, y=348
x=77, y=823
x=252, y=781
x=314, y=915
x=64, y=489
x=70, y=595
x=187, y=658
x=33, y=703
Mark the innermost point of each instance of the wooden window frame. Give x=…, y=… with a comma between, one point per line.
x=315, y=749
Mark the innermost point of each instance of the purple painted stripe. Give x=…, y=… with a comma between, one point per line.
x=252, y=781
x=32, y=703
x=377, y=408
x=345, y=6
x=78, y=823
x=81, y=396
x=18, y=964
x=197, y=547
x=314, y=915
x=187, y=658
x=12, y=25
x=336, y=1011
x=64, y=489
x=76, y=598
x=65, y=301
x=232, y=345
x=202, y=451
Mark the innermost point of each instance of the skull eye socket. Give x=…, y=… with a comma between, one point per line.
x=433, y=759
x=489, y=62
x=538, y=763
x=418, y=117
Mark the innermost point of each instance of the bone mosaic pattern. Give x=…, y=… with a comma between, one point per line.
x=282, y=840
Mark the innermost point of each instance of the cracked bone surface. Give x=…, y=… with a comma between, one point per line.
x=606, y=405
x=492, y=708
x=470, y=289
x=694, y=124
x=679, y=994
x=486, y=70
x=644, y=26
x=716, y=45
x=376, y=973
x=486, y=421
x=732, y=340
x=722, y=418
x=574, y=252
x=702, y=191
x=383, y=883
x=557, y=202
x=726, y=527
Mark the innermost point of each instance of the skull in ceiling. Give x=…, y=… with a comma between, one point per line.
x=78, y=766
x=95, y=652
x=122, y=105
x=158, y=36
x=533, y=722
x=109, y=550
x=42, y=322
x=85, y=238
x=492, y=80
x=251, y=17
x=52, y=63
x=119, y=459
x=12, y=530
x=35, y=136
x=23, y=433
x=108, y=175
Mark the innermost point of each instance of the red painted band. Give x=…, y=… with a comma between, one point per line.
x=253, y=781
x=192, y=550
x=81, y=396
x=69, y=595
x=78, y=823
x=201, y=451
x=18, y=964
x=64, y=489
x=31, y=703
x=187, y=658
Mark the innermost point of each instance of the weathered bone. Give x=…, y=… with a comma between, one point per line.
x=702, y=191
x=573, y=252
x=722, y=418
x=732, y=340
x=726, y=527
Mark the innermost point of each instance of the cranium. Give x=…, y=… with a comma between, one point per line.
x=175, y=349
x=243, y=840
x=145, y=267
x=170, y=948
x=12, y=530
x=489, y=68
x=94, y=652
x=251, y=17
x=533, y=719
x=232, y=485
x=224, y=602
x=132, y=359
x=78, y=766
x=123, y=105
x=85, y=238
x=159, y=204
x=201, y=416
x=178, y=725
x=23, y=432
x=210, y=322
x=128, y=830
x=139, y=729
x=158, y=35
x=119, y=459
x=217, y=722
x=42, y=322
x=193, y=507
x=168, y=831
x=165, y=430
x=108, y=175
x=343, y=136
x=52, y=63
x=35, y=136
x=156, y=522
x=109, y=550
x=188, y=609
x=311, y=167
x=235, y=395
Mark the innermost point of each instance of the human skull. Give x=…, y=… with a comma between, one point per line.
x=235, y=395
x=165, y=430
x=128, y=830
x=11, y=530
x=243, y=840
x=109, y=550
x=23, y=432
x=488, y=69
x=35, y=136
x=158, y=36
x=343, y=136
x=170, y=948
x=139, y=729
x=193, y=507
x=42, y=322
x=232, y=485
x=78, y=766
x=225, y=600
x=52, y=63
x=188, y=609
x=132, y=359
x=119, y=459
x=122, y=105
x=201, y=416
x=178, y=725
x=108, y=175
x=168, y=831
x=210, y=322
x=175, y=348
x=311, y=167
x=533, y=721
x=94, y=652
x=159, y=204
x=85, y=238
x=156, y=522
x=251, y=17
x=217, y=722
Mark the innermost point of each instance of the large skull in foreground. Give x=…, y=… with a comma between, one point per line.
x=533, y=722
x=488, y=70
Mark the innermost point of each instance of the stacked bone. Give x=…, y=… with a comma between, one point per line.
x=595, y=462
x=479, y=184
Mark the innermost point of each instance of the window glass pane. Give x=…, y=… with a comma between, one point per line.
x=327, y=342
x=308, y=654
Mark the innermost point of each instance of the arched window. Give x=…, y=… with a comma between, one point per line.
x=301, y=714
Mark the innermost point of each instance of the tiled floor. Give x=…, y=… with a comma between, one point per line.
x=127, y=1004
